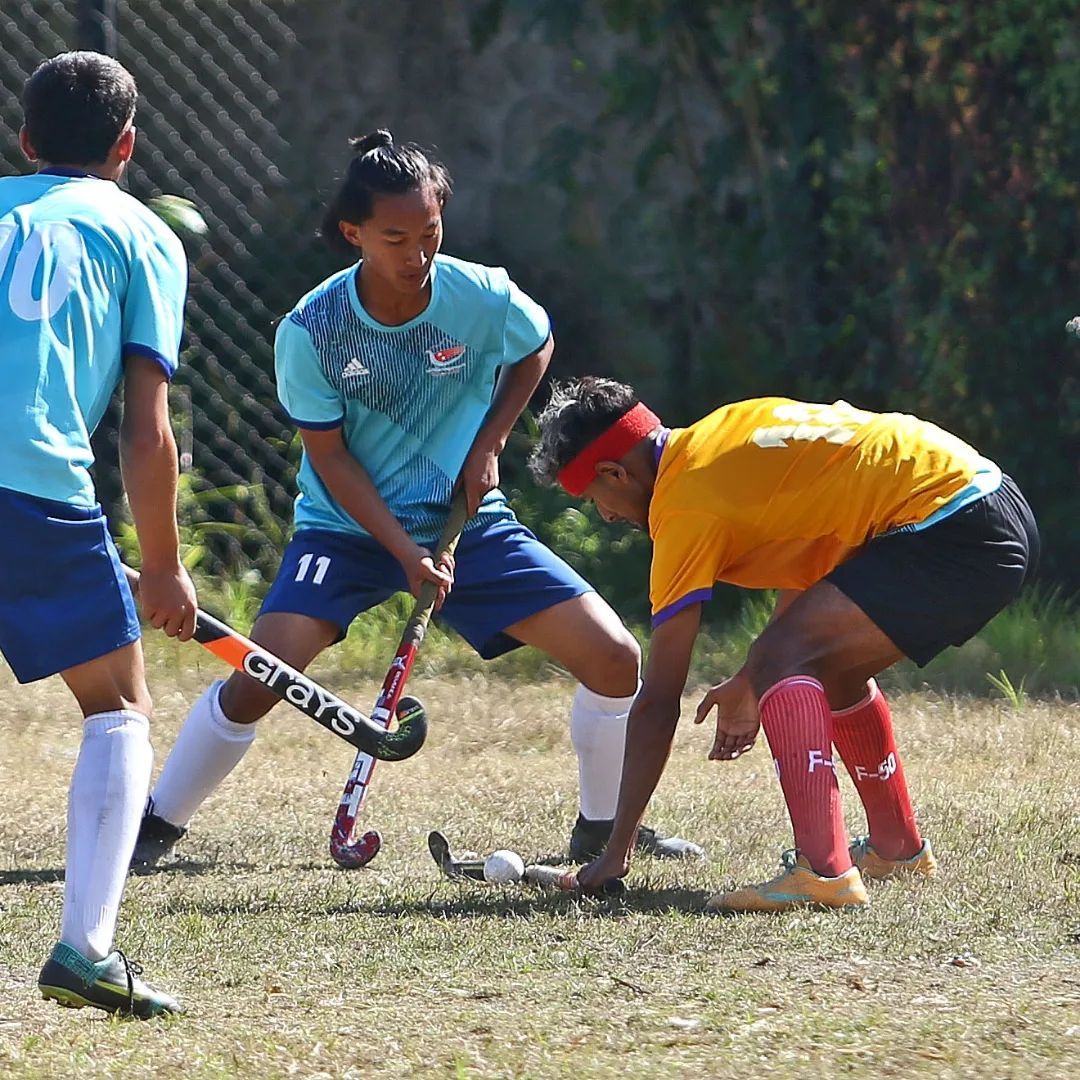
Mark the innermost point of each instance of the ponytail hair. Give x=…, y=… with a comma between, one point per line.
x=380, y=166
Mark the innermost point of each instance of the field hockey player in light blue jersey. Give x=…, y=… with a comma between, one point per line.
x=404, y=372
x=92, y=288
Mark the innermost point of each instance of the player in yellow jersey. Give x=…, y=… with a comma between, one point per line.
x=887, y=536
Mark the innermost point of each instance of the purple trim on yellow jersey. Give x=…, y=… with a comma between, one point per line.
x=698, y=596
x=134, y=349
x=658, y=446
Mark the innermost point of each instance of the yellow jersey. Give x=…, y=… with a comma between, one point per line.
x=775, y=493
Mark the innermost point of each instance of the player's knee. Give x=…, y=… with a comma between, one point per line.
x=778, y=656
x=615, y=663
x=243, y=700
x=144, y=703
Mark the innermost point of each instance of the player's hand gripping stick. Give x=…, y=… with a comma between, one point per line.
x=344, y=851
x=553, y=878
x=303, y=693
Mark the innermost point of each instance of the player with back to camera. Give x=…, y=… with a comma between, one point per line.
x=888, y=537
x=92, y=288
x=403, y=372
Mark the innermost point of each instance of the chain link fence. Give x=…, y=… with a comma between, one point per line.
x=207, y=130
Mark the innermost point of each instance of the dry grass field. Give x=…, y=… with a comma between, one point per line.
x=290, y=967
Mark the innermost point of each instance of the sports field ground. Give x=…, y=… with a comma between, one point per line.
x=290, y=967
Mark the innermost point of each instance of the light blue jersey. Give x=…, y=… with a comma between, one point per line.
x=88, y=276
x=410, y=398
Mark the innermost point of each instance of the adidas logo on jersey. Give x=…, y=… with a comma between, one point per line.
x=354, y=367
x=442, y=361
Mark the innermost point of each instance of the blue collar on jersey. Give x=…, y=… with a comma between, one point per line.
x=56, y=170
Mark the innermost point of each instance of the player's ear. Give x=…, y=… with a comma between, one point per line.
x=612, y=470
x=25, y=145
x=351, y=232
x=125, y=145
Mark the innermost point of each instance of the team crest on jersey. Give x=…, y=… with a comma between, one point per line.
x=446, y=359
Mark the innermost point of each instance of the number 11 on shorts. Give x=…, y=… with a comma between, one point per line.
x=322, y=564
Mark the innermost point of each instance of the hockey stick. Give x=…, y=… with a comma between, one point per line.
x=439, y=847
x=307, y=695
x=350, y=855
x=544, y=876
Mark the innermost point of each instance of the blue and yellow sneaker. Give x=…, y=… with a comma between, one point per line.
x=874, y=868
x=797, y=887
x=112, y=984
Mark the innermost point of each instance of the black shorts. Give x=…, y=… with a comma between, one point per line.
x=939, y=586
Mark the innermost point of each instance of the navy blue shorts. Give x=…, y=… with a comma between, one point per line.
x=63, y=596
x=939, y=586
x=503, y=575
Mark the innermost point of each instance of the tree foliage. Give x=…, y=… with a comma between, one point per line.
x=875, y=201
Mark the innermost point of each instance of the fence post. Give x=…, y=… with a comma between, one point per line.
x=97, y=26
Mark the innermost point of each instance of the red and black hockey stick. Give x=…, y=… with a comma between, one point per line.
x=325, y=708
x=346, y=852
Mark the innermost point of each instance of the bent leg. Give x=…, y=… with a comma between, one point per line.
x=588, y=638
x=816, y=656
x=220, y=727
x=825, y=635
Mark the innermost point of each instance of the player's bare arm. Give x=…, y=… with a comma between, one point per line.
x=516, y=386
x=148, y=461
x=650, y=730
x=348, y=482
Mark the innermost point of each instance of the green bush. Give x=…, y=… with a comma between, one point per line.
x=878, y=202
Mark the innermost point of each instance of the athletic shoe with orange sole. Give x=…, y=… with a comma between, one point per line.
x=797, y=887
x=873, y=867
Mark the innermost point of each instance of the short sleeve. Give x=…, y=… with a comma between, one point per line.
x=689, y=553
x=527, y=326
x=152, y=317
x=303, y=389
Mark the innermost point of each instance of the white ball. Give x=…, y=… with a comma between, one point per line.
x=503, y=867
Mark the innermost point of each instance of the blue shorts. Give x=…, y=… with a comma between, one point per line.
x=63, y=596
x=503, y=575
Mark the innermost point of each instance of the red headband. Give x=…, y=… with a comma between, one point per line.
x=576, y=475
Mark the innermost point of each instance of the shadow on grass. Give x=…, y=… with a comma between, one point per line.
x=52, y=874
x=503, y=904
x=469, y=903
x=194, y=868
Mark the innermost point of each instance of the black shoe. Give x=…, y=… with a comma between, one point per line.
x=157, y=837
x=112, y=984
x=589, y=837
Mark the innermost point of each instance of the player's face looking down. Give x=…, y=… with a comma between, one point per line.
x=619, y=495
x=400, y=239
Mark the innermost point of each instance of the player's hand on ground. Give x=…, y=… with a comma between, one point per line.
x=479, y=475
x=421, y=567
x=737, y=719
x=592, y=876
x=167, y=600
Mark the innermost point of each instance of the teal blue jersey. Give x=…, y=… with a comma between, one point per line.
x=88, y=276
x=410, y=399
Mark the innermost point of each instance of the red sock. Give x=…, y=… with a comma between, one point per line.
x=798, y=724
x=863, y=736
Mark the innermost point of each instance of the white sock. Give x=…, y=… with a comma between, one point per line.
x=105, y=803
x=598, y=732
x=208, y=748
